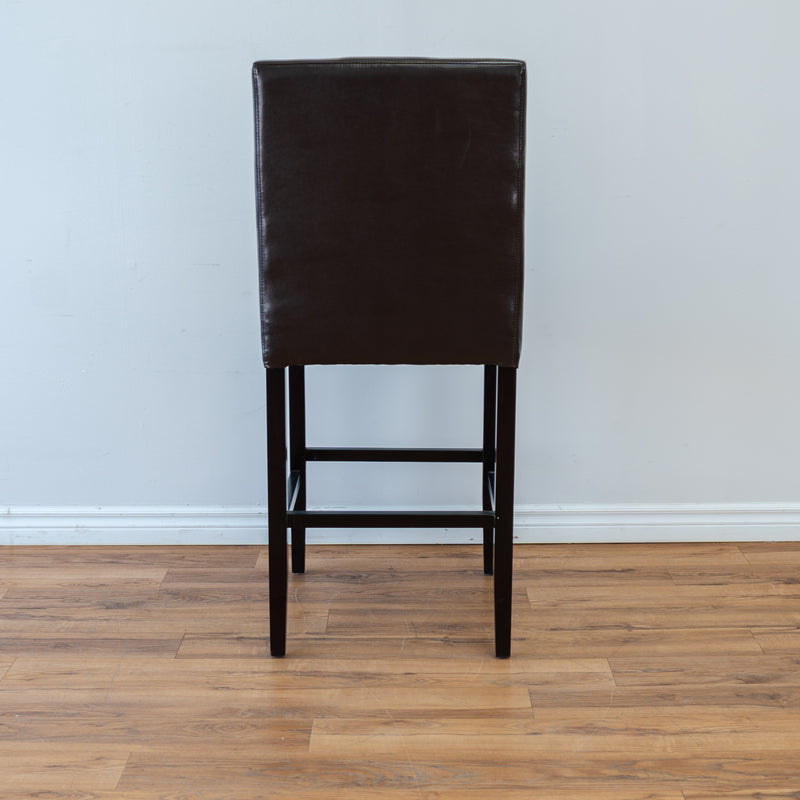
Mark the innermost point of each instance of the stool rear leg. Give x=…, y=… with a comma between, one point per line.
x=489, y=439
x=297, y=459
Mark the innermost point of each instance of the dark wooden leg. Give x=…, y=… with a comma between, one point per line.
x=504, y=531
x=297, y=459
x=489, y=439
x=276, y=507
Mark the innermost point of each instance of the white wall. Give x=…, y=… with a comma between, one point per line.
x=661, y=335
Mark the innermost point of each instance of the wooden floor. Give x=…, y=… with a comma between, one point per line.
x=668, y=672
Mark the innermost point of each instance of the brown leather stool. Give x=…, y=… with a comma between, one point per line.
x=390, y=231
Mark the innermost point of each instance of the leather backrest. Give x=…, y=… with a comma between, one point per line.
x=390, y=210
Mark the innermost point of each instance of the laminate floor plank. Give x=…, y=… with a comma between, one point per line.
x=148, y=729
x=775, y=640
x=750, y=698
x=709, y=575
x=593, y=574
x=106, y=559
x=609, y=720
x=266, y=788
x=537, y=774
x=769, y=790
x=40, y=767
x=779, y=554
x=636, y=744
x=594, y=790
x=760, y=671
x=623, y=556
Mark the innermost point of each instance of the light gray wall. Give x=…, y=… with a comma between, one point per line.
x=661, y=331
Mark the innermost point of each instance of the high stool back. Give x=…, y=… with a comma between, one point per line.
x=390, y=231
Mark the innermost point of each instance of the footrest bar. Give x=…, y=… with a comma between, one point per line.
x=418, y=454
x=391, y=519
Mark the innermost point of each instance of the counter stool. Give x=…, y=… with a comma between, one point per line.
x=389, y=199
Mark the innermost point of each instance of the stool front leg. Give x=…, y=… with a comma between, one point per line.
x=276, y=508
x=504, y=509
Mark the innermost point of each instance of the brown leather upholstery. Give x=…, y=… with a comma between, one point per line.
x=390, y=210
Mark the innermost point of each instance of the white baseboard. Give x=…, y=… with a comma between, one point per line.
x=676, y=522
x=168, y=525
x=132, y=525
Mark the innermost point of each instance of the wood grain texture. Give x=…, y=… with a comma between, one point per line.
x=638, y=672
